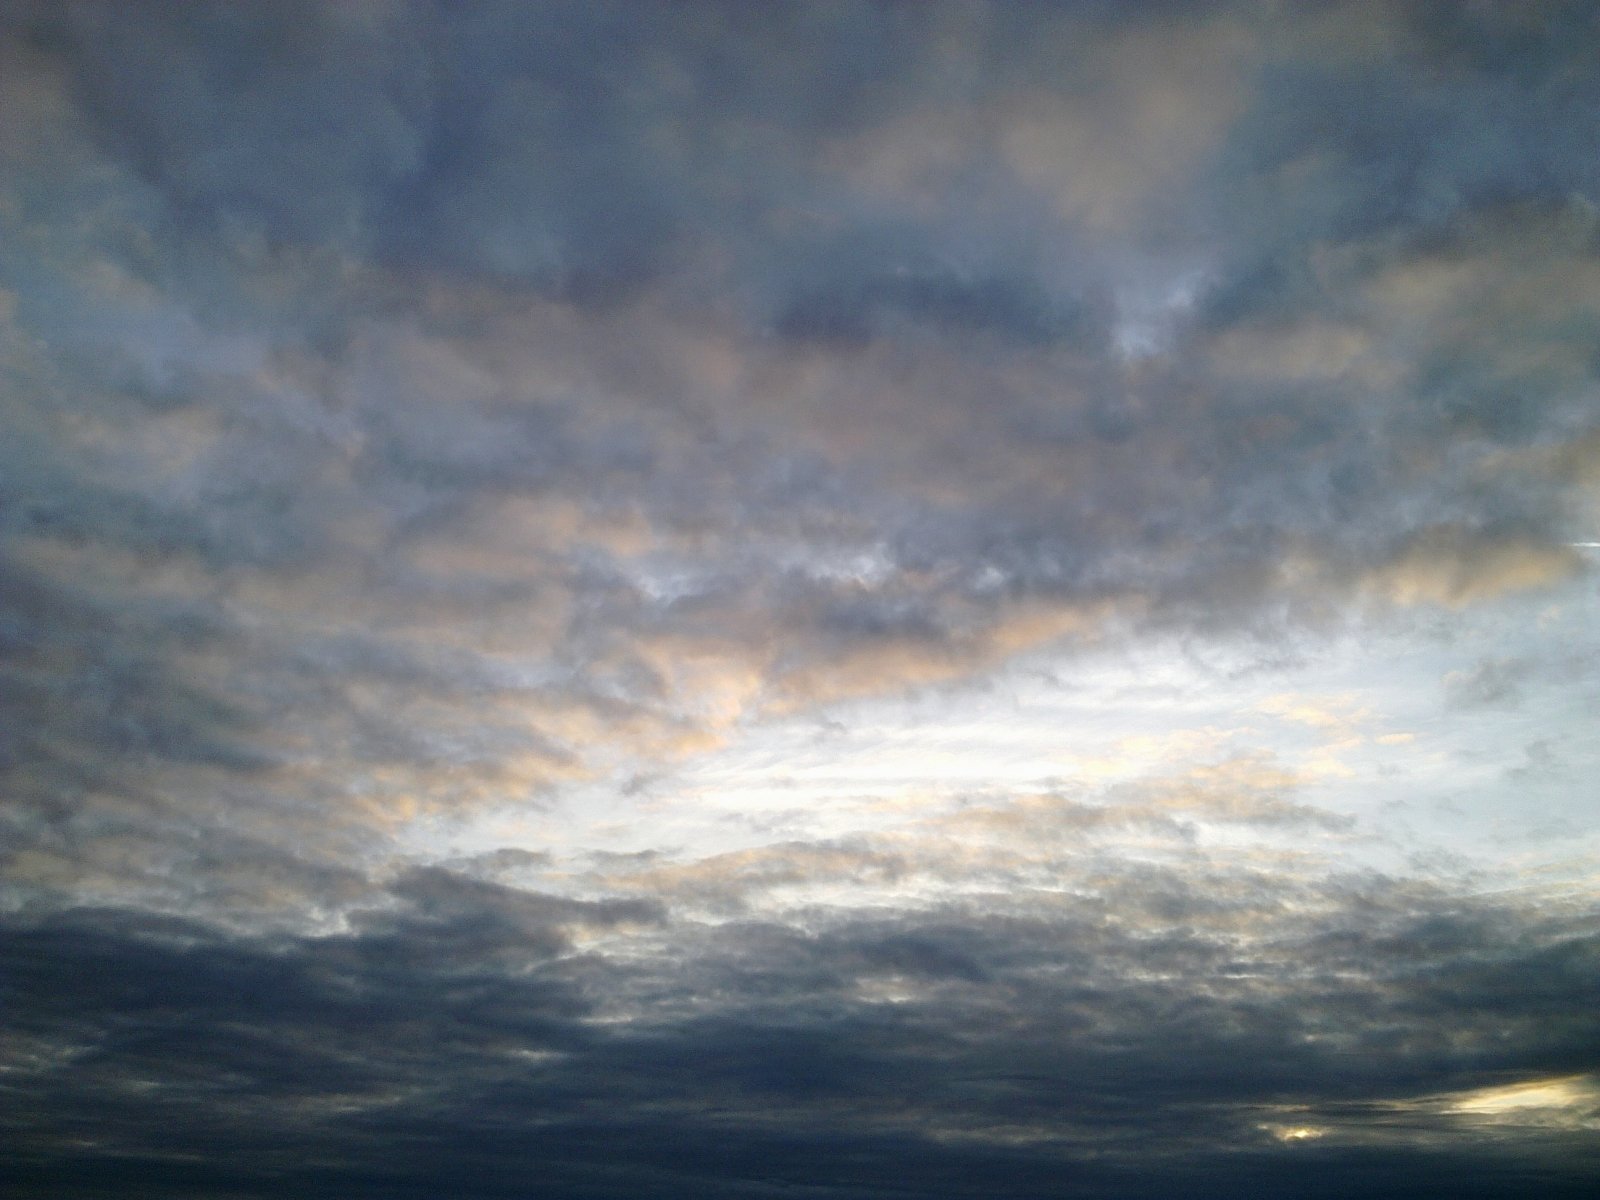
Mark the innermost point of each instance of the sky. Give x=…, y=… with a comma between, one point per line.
x=842, y=600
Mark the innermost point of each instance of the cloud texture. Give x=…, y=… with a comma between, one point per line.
x=871, y=598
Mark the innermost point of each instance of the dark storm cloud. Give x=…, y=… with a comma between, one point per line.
x=451, y=1033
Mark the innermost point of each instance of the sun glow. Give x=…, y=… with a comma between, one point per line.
x=1567, y=1100
x=1296, y=1133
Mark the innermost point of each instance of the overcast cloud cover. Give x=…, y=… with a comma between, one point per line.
x=841, y=600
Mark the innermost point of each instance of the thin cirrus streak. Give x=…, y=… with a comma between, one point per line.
x=712, y=600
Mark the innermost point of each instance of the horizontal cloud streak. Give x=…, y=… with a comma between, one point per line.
x=1023, y=1040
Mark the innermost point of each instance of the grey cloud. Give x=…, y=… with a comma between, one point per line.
x=573, y=153
x=1404, y=117
x=198, y=98
x=946, y=304
x=383, y=407
x=414, y=408
x=458, y=1024
x=1492, y=681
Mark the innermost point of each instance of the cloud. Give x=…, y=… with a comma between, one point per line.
x=466, y=443
x=457, y=1013
x=1491, y=681
x=1443, y=567
x=422, y=416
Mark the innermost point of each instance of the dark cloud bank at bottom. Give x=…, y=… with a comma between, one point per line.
x=462, y=1038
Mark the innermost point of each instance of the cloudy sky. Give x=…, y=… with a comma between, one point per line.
x=835, y=600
